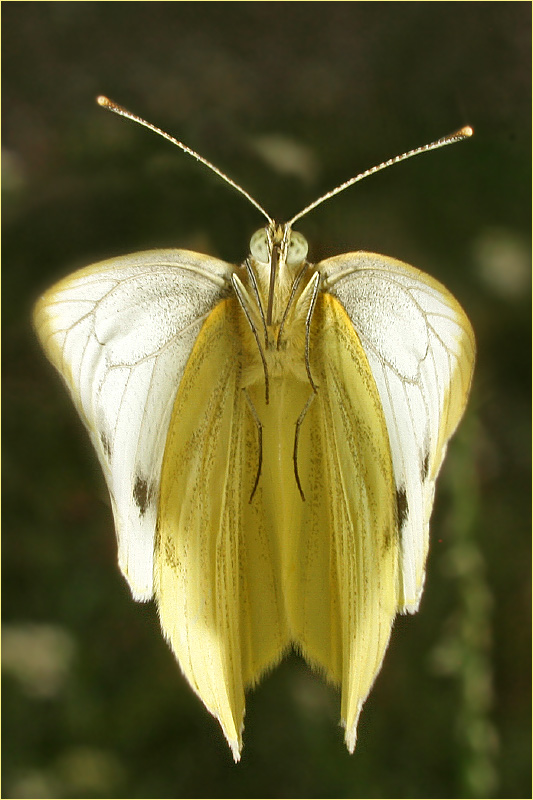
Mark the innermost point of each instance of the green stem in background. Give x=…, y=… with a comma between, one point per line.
x=464, y=651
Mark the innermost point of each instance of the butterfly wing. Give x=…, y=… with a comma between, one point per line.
x=120, y=333
x=218, y=581
x=342, y=577
x=421, y=349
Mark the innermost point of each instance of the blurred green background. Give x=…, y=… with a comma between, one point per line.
x=289, y=99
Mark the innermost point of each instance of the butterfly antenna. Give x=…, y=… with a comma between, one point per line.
x=458, y=136
x=105, y=102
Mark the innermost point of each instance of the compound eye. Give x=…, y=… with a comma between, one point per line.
x=259, y=246
x=298, y=248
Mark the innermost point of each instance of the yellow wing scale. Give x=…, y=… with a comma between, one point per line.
x=236, y=581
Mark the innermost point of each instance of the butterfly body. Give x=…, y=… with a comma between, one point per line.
x=270, y=435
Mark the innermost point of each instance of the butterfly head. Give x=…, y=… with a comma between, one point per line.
x=278, y=252
x=276, y=249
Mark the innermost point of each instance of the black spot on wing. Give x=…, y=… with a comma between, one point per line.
x=143, y=492
x=402, y=507
x=425, y=466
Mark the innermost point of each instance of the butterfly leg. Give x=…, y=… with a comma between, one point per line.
x=244, y=302
x=296, y=438
x=313, y=287
x=290, y=302
x=259, y=427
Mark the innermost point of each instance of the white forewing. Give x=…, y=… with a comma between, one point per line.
x=420, y=348
x=120, y=333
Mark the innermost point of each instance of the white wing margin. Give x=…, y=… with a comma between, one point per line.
x=120, y=332
x=421, y=349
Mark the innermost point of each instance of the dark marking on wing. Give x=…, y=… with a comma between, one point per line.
x=402, y=507
x=425, y=466
x=388, y=538
x=142, y=494
x=106, y=444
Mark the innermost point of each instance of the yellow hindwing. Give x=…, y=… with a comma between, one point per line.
x=237, y=581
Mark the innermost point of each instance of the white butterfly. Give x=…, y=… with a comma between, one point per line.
x=270, y=435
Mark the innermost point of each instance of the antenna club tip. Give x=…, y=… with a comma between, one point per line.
x=104, y=101
x=466, y=131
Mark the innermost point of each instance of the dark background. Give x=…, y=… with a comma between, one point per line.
x=93, y=703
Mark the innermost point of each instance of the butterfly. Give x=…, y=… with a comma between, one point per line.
x=270, y=435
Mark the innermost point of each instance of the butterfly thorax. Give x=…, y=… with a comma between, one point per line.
x=276, y=288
